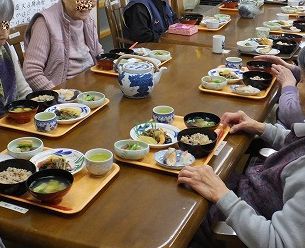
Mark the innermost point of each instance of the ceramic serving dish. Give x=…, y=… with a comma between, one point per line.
x=247, y=46
x=214, y=82
x=162, y=55
x=131, y=149
x=92, y=99
x=22, y=111
x=258, y=79
x=25, y=147
x=45, y=98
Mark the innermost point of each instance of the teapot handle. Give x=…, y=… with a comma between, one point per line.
x=129, y=56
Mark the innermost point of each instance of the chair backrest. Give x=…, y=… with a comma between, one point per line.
x=114, y=11
x=16, y=39
x=178, y=7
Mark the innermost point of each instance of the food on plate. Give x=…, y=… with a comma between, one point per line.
x=54, y=162
x=200, y=122
x=68, y=113
x=14, y=175
x=43, y=98
x=213, y=80
x=257, y=78
x=283, y=43
x=247, y=90
x=47, y=185
x=20, y=109
x=265, y=50
x=196, y=139
x=228, y=74
x=89, y=98
x=171, y=158
x=132, y=146
x=155, y=136
x=247, y=44
x=265, y=41
x=25, y=146
x=160, y=52
x=67, y=94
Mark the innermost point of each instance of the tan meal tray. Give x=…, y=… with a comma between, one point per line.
x=286, y=32
x=221, y=7
x=228, y=92
x=202, y=28
x=84, y=188
x=112, y=72
x=59, y=131
x=149, y=160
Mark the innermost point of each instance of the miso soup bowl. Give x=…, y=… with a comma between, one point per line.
x=61, y=175
x=98, y=167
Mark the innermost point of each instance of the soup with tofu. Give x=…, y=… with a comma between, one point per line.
x=48, y=185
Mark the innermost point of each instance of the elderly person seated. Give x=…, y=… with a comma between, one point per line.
x=288, y=75
x=266, y=208
x=147, y=20
x=12, y=83
x=60, y=43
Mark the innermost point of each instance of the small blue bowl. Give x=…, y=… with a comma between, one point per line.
x=163, y=114
x=45, y=121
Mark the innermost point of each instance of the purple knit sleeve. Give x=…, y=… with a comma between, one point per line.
x=36, y=56
x=290, y=110
x=296, y=71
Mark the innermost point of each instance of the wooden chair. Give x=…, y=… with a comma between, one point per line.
x=178, y=7
x=114, y=12
x=16, y=39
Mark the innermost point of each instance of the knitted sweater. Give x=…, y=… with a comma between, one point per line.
x=48, y=47
x=286, y=227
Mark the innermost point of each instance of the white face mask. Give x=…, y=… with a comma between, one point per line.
x=84, y=4
x=5, y=25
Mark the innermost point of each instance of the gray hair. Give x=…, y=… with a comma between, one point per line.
x=6, y=10
x=301, y=60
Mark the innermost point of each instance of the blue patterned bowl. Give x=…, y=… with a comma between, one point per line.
x=45, y=121
x=163, y=114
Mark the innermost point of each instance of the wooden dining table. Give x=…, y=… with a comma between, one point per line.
x=139, y=207
x=237, y=29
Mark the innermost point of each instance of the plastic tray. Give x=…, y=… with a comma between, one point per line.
x=150, y=163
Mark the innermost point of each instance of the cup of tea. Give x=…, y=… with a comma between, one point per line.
x=45, y=121
x=234, y=62
x=163, y=114
x=262, y=32
x=99, y=161
x=218, y=43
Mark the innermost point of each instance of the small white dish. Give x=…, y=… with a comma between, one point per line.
x=273, y=51
x=142, y=51
x=245, y=90
x=159, y=157
x=170, y=130
x=16, y=152
x=67, y=95
x=212, y=24
x=161, y=55
x=82, y=110
x=220, y=71
x=75, y=158
x=247, y=46
x=92, y=99
x=214, y=82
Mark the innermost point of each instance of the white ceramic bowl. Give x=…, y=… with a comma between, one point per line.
x=247, y=46
x=212, y=24
x=223, y=17
x=16, y=153
x=100, y=99
x=272, y=25
x=205, y=82
x=98, y=167
x=131, y=154
x=162, y=55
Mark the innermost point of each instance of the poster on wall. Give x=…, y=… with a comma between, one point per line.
x=25, y=9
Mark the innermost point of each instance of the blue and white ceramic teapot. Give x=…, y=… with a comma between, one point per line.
x=137, y=79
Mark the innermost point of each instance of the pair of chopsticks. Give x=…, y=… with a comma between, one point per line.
x=133, y=45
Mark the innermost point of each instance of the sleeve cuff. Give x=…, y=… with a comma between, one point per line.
x=226, y=203
x=289, y=88
x=267, y=131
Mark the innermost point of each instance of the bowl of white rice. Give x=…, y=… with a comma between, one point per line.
x=13, y=176
x=197, y=141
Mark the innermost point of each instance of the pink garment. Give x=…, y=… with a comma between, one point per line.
x=48, y=46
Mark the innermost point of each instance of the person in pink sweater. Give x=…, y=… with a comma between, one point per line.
x=60, y=43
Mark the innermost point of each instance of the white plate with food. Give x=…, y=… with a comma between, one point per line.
x=232, y=75
x=67, y=95
x=262, y=42
x=161, y=55
x=292, y=29
x=156, y=135
x=69, y=113
x=59, y=158
x=267, y=50
x=245, y=90
x=174, y=159
x=142, y=51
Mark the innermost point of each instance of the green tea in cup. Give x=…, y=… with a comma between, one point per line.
x=100, y=157
x=163, y=114
x=99, y=161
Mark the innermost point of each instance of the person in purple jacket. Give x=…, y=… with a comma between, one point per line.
x=288, y=75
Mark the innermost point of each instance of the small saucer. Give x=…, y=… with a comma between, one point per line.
x=273, y=51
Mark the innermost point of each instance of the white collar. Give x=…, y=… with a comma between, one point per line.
x=299, y=129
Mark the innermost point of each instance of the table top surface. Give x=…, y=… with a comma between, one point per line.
x=238, y=28
x=139, y=208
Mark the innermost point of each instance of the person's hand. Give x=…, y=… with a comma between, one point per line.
x=204, y=181
x=283, y=75
x=274, y=60
x=239, y=121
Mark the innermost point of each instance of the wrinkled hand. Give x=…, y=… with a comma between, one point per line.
x=271, y=58
x=239, y=121
x=203, y=180
x=283, y=75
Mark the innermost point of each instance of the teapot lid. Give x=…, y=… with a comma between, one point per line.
x=137, y=67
